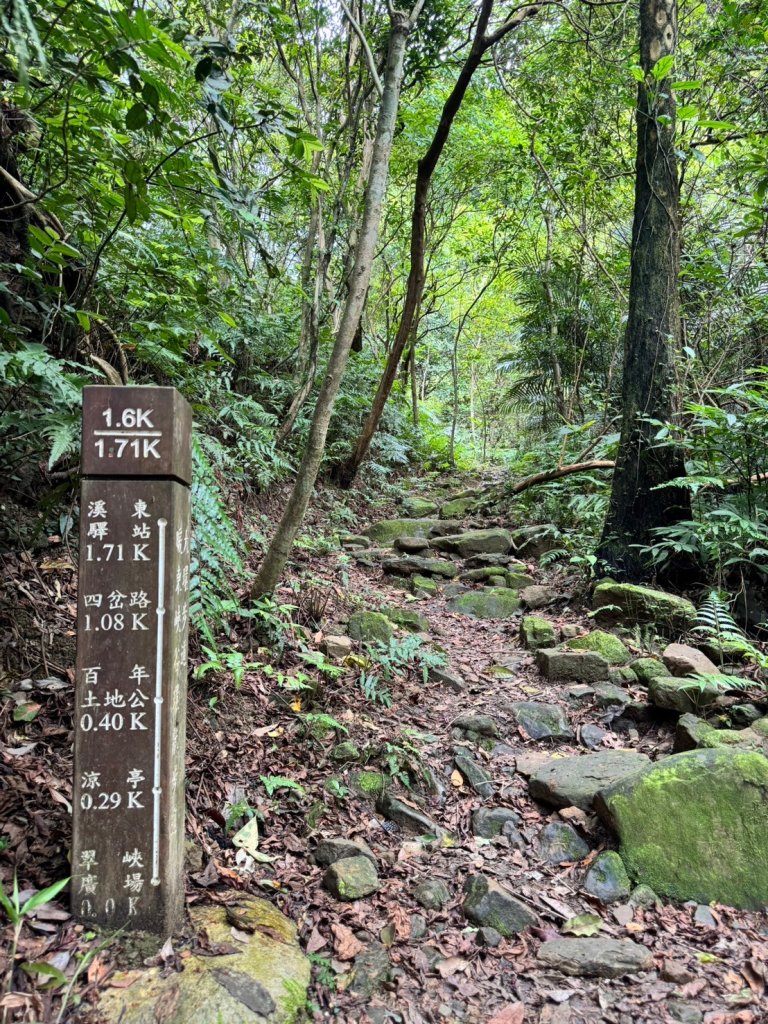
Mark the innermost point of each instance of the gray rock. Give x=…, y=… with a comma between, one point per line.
x=643, y=896
x=595, y=958
x=537, y=633
x=477, y=777
x=476, y=542
x=569, y=631
x=489, y=603
x=704, y=916
x=542, y=721
x=581, y=691
x=483, y=725
x=608, y=696
x=681, y=695
x=418, y=926
x=451, y=680
x=489, y=573
x=489, y=822
x=432, y=894
x=560, y=843
x=345, y=751
x=488, y=937
x=407, y=817
x=577, y=666
x=537, y=596
x=485, y=560
x=418, y=508
x=455, y=590
x=372, y=970
x=592, y=736
x=337, y=646
x=535, y=541
x=411, y=545
x=622, y=675
x=351, y=878
x=607, y=878
x=387, y=531
x=410, y=564
x=487, y=904
x=685, y=1013
x=328, y=851
x=574, y=781
x=683, y=660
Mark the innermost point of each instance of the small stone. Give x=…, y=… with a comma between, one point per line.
x=451, y=680
x=560, y=843
x=328, y=851
x=683, y=1012
x=643, y=896
x=595, y=958
x=581, y=691
x=193, y=857
x=542, y=721
x=535, y=541
x=370, y=627
x=570, y=631
x=609, y=696
x=372, y=970
x=488, y=937
x=369, y=784
x=484, y=725
x=487, y=904
x=592, y=736
x=351, y=878
x=607, y=878
x=479, y=779
x=337, y=646
x=683, y=660
x=414, y=622
x=489, y=822
x=432, y=894
x=350, y=540
x=704, y=916
x=407, y=817
x=345, y=751
x=622, y=675
x=537, y=596
x=423, y=585
x=579, y=666
x=676, y=972
x=411, y=545
x=418, y=926
x=408, y=565
x=536, y=633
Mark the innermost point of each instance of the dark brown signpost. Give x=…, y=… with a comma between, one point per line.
x=130, y=716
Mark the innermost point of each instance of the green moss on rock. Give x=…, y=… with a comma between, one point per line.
x=537, y=633
x=611, y=648
x=370, y=627
x=629, y=604
x=694, y=826
x=387, y=531
x=647, y=669
x=490, y=603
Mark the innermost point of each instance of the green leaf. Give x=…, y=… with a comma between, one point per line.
x=662, y=67
x=683, y=86
x=136, y=117
x=26, y=712
x=585, y=925
x=48, y=971
x=685, y=113
x=637, y=73
x=228, y=320
x=83, y=319
x=247, y=838
x=44, y=896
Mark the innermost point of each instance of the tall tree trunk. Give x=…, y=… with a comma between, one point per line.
x=345, y=473
x=274, y=560
x=639, y=500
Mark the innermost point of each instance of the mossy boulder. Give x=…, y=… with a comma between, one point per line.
x=419, y=508
x=607, y=878
x=694, y=826
x=423, y=585
x=489, y=573
x=490, y=603
x=386, y=531
x=410, y=565
x=487, y=904
x=351, y=878
x=647, y=669
x=575, y=666
x=457, y=508
x=369, y=784
x=264, y=982
x=410, y=620
x=370, y=627
x=518, y=580
x=345, y=751
x=693, y=733
x=537, y=633
x=606, y=644
x=628, y=604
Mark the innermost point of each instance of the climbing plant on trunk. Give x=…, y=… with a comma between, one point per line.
x=642, y=497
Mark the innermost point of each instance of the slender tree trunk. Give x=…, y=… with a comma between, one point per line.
x=414, y=383
x=639, y=500
x=345, y=473
x=274, y=560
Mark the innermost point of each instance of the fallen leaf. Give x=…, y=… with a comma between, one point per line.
x=315, y=941
x=346, y=945
x=452, y=965
x=514, y=1013
x=584, y=925
x=457, y=779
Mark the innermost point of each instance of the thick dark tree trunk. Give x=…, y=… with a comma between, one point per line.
x=639, y=500
x=345, y=472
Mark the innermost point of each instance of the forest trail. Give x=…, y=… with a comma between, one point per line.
x=397, y=831
x=477, y=734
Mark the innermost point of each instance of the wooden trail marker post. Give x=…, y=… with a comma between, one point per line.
x=132, y=629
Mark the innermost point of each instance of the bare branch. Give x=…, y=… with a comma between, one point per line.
x=366, y=48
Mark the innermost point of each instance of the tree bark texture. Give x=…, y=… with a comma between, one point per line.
x=639, y=500
x=274, y=560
